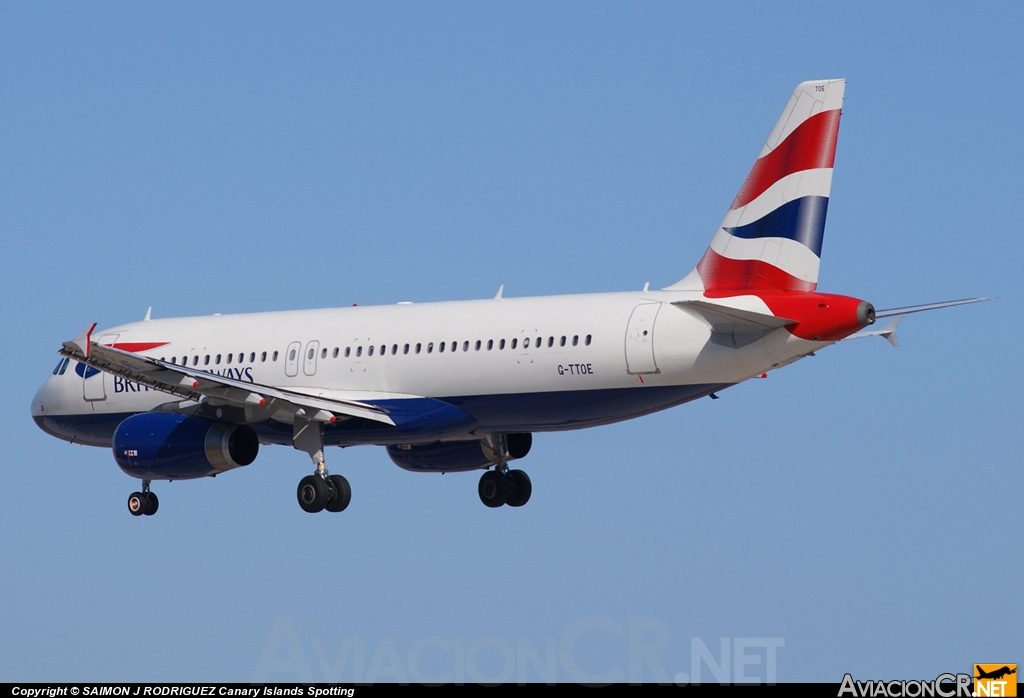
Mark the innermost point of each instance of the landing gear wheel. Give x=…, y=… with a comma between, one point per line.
x=521, y=488
x=153, y=502
x=313, y=493
x=138, y=503
x=341, y=493
x=494, y=488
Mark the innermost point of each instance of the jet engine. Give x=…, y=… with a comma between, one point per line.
x=162, y=446
x=448, y=456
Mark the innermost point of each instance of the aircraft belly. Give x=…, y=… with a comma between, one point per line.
x=554, y=411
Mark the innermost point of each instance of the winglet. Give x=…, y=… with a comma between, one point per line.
x=501, y=289
x=149, y=312
x=80, y=344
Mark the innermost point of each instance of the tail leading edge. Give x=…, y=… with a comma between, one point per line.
x=771, y=237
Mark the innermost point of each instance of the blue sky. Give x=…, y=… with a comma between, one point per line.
x=863, y=506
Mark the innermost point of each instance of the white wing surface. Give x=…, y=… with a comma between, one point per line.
x=199, y=386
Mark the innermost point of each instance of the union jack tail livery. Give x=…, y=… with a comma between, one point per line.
x=771, y=237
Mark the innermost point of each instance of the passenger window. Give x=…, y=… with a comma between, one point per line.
x=501, y=344
x=195, y=360
x=383, y=349
x=263, y=356
x=323, y=353
x=369, y=351
x=206, y=360
x=561, y=342
x=430, y=347
x=405, y=349
x=273, y=357
x=465, y=346
x=217, y=360
x=490, y=344
x=551, y=341
x=335, y=354
x=359, y=351
x=526, y=343
x=309, y=356
x=575, y=339
x=440, y=348
x=348, y=352
x=514, y=343
x=417, y=347
x=291, y=355
x=173, y=361
x=477, y=345
x=252, y=357
x=587, y=341
x=228, y=360
x=394, y=349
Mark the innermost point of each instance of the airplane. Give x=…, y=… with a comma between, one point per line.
x=463, y=385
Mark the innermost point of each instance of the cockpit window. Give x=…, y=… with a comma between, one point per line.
x=62, y=365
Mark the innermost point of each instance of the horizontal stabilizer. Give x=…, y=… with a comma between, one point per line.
x=888, y=333
x=891, y=312
x=728, y=320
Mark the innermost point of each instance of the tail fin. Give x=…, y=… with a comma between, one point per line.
x=771, y=237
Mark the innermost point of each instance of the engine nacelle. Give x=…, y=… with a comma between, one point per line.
x=450, y=456
x=162, y=446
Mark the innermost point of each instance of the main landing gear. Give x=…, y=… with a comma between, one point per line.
x=501, y=485
x=144, y=502
x=510, y=487
x=318, y=491
x=321, y=491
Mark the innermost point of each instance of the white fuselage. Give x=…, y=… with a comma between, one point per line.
x=511, y=364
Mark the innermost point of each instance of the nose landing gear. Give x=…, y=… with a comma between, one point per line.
x=144, y=502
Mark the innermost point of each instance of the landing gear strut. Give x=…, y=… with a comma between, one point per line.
x=320, y=490
x=501, y=485
x=144, y=502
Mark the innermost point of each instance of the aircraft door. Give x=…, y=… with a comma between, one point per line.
x=94, y=383
x=291, y=359
x=309, y=358
x=640, y=339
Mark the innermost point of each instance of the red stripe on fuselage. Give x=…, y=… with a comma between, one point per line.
x=724, y=275
x=137, y=346
x=811, y=145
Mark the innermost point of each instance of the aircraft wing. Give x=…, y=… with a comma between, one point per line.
x=193, y=384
